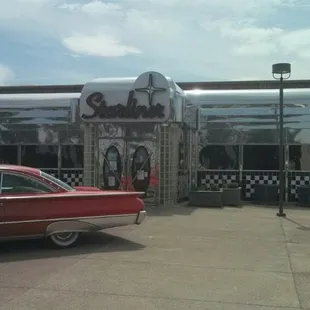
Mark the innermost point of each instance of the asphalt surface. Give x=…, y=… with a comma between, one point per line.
x=180, y=258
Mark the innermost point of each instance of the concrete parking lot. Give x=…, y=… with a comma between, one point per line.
x=180, y=258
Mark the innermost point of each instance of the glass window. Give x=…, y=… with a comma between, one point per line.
x=72, y=156
x=40, y=156
x=18, y=184
x=8, y=154
x=57, y=181
x=261, y=157
x=220, y=157
x=299, y=157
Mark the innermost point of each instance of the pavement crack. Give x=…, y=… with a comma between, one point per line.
x=167, y=298
x=290, y=263
x=114, y=260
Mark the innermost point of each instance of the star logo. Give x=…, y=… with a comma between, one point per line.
x=150, y=89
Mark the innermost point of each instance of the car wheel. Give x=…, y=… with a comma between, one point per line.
x=65, y=239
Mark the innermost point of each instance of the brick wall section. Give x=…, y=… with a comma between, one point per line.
x=269, y=84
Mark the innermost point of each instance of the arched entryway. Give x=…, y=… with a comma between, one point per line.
x=141, y=169
x=112, y=169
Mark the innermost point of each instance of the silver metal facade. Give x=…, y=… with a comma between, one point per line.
x=44, y=122
x=145, y=155
x=250, y=117
x=51, y=123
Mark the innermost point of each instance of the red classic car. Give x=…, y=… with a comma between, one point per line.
x=34, y=204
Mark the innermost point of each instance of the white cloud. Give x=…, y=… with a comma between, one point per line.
x=6, y=74
x=219, y=39
x=98, y=45
x=92, y=8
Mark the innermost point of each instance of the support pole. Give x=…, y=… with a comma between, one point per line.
x=281, y=155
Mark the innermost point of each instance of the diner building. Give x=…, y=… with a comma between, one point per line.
x=151, y=134
x=120, y=133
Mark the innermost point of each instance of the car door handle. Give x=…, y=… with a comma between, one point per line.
x=1, y=204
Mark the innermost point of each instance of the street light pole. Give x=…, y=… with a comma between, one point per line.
x=281, y=149
x=281, y=69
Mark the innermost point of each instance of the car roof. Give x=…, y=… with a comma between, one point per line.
x=17, y=168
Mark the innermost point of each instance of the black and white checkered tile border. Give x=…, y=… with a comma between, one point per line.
x=217, y=177
x=295, y=179
x=71, y=177
x=250, y=179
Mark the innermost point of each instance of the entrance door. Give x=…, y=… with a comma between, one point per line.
x=112, y=168
x=141, y=169
x=129, y=164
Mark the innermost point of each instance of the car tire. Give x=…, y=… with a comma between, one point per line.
x=64, y=240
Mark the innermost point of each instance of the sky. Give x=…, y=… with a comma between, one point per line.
x=75, y=41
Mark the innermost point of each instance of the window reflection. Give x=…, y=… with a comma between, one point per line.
x=40, y=156
x=261, y=157
x=72, y=156
x=299, y=157
x=8, y=154
x=220, y=157
x=17, y=184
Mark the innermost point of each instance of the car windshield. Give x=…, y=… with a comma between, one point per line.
x=57, y=181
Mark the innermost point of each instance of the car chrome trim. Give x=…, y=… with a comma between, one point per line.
x=141, y=217
x=91, y=224
x=82, y=224
x=72, y=195
x=86, y=218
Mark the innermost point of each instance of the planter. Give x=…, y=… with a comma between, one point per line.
x=266, y=194
x=304, y=195
x=206, y=198
x=231, y=196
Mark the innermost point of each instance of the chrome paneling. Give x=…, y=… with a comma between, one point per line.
x=41, y=134
x=190, y=117
x=40, y=119
x=251, y=116
x=38, y=108
x=114, y=88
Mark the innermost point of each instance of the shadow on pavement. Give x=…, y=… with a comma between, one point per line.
x=299, y=226
x=183, y=209
x=287, y=206
x=89, y=243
